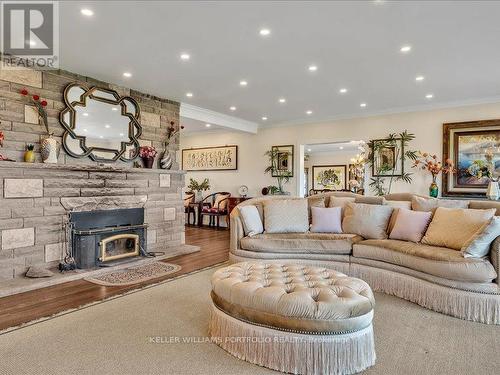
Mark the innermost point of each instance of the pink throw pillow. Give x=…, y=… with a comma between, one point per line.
x=326, y=220
x=410, y=225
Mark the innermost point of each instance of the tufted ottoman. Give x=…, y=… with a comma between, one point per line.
x=293, y=318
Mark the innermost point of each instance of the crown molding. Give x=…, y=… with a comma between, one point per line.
x=217, y=118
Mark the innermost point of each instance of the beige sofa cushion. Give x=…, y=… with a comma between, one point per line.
x=293, y=297
x=430, y=204
x=436, y=261
x=399, y=204
x=485, y=205
x=340, y=202
x=366, y=220
x=286, y=216
x=453, y=227
x=306, y=243
x=250, y=218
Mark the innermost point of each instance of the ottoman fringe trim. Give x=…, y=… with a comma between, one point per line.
x=477, y=307
x=292, y=352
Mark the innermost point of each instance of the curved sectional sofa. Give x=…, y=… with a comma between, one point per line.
x=437, y=278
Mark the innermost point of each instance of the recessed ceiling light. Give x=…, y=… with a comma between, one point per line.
x=243, y=83
x=343, y=90
x=309, y=112
x=107, y=126
x=185, y=56
x=233, y=108
x=85, y=114
x=127, y=74
x=312, y=68
x=282, y=100
x=85, y=130
x=208, y=125
x=101, y=136
x=189, y=94
x=341, y=147
x=309, y=150
x=114, y=109
x=121, y=134
x=405, y=49
x=429, y=96
x=264, y=118
x=264, y=32
x=362, y=105
x=419, y=78
x=32, y=43
x=87, y=12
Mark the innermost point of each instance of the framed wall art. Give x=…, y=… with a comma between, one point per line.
x=285, y=159
x=387, y=160
x=474, y=148
x=219, y=158
x=329, y=177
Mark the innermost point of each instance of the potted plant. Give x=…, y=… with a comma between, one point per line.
x=147, y=155
x=428, y=162
x=198, y=188
x=282, y=176
x=29, y=154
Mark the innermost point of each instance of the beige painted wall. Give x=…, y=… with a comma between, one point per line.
x=427, y=126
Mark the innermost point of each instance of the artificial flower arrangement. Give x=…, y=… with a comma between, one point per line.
x=426, y=161
x=40, y=107
x=147, y=152
x=172, y=132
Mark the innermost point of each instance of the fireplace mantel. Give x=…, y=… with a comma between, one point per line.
x=103, y=167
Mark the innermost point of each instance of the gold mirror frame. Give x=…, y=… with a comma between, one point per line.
x=135, y=129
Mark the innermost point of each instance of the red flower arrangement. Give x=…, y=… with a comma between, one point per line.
x=172, y=132
x=147, y=152
x=40, y=107
x=2, y=137
x=425, y=161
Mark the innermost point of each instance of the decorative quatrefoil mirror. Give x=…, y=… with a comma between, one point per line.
x=100, y=124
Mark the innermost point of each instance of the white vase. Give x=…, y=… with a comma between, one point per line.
x=493, y=192
x=48, y=150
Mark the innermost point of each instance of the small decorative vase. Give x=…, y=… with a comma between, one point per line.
x=433, y=189
x=148, y=162
x=493, y=191
x=166, y=161
x=48, y=150
x=29, y=157
x=199, y=196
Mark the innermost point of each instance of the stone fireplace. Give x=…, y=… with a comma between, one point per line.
x=104, y=237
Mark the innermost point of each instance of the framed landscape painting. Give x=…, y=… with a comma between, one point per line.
x=329, y=177
x=474, y=147
x=220, y=158
x=285, y=159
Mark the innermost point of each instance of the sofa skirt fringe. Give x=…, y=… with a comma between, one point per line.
x=467, y=305
x=295, y=353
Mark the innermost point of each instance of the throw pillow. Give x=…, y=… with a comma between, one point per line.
x=410, y=225
x=315, y=202
x=340, y=202
x=430, y=204
x=326, y=220
x=252, y=223
x=399, y=204
x=370, y=200
x=286, y=216
x=221, y=201
x=453, y=227
x=479, y=245
x=367, y=220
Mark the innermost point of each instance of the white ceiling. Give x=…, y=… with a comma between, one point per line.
x=354, y=45
x=333, y=147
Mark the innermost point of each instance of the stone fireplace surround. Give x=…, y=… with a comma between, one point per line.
x=35, y=200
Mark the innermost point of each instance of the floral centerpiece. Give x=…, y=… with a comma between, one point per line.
x=147, y=154
x=485, y=169
x=426, y=161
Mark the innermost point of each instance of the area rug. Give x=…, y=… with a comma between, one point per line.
x=135, y=275
x=163, y=330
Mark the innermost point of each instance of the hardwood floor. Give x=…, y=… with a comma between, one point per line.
x=25, y=307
